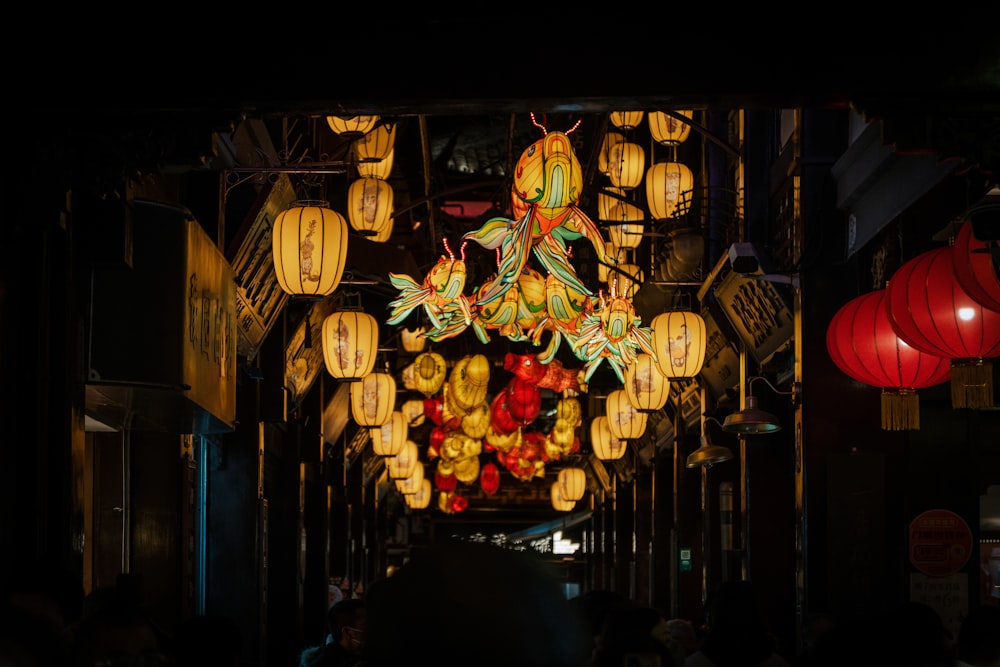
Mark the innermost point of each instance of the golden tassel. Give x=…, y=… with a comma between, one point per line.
x=900, y=410
x=971, y=383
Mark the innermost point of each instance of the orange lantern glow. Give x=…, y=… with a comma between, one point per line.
x=389, y=438
x=412, y=482
x=373, y=399
x=309, y=249
x=626, y=120
x=668, y=130
x=668, y=189
x=605, y=445
x=403, y=464
x=624, y=421
x=376, y=144
x=414, y=341
x=626, y=164
x=603, y=158
x=572, y=483
x=381, y=169
x=369, y=205
x=559, y=503
x=645, y=386
x=350, y=344
x=679, y=342
x=422, y=498
x=351, y=125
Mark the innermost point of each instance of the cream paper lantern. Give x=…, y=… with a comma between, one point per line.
x=389, y=438
x=572, y=483
x=414, y=341
x=605, y=445
x=668, y=189
x=559, y=503
x=351, y=125
x=413, y=412
x=373, y=399
x=627, y=165
x=381, y=169
x=369, y=205
x=626, y=120
x=413, y=482
x=624, y=421
x=376, y=145
x=625, y=224
x=668, y=130
x=403, y=464
x=603, y=157
x=679, y=343
x=645, y=386
x=422, y=498
x=309, y=249
x=350, y=344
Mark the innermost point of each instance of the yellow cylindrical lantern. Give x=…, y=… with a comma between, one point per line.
x=413, y=412
x=350, y=343
x=369, y=205
x=380, y=169
x=572, y=483
x=679, y=343
x=627, y=165
x=559, y=503
x=373, y=399
x=414, y=340
x=605, y=445
x=376, y=144
x=385, y=233
x=621, y=256
x=422, y=498
x=389, y=438
x=667, y=130
x=351, y=125
x=625, y=225
x=645, y=386
x=413, y=482
x=403, y=464
x=626, y=120
x=604, y=157
x=309, y=248
x=668, y=189
x=624, y=421
x=606, y=202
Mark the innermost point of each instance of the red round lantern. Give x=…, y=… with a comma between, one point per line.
x=500, y=418
x=446, y=483
x=975, y=269
x=863, y=345
x=524, y=400
x=489, y=479
x=930, y=311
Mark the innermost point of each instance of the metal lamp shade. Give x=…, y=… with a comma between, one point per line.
x=679, y=342
x=751, y=420
x=309, y=248
x=369, y=205
x=624, y=421
x=645, y=386
x=351, y=125
x=931, y=312
x=605, y=445
x=572, y=483
x=708, y=455
x=668, y=189
x=667, y=130
x=626, y=165
x=350, y=343
x=373, y=399
x=389, y=438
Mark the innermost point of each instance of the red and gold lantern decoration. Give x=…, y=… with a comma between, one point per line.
x=931, y=312
x=667, y=129
x=679, y=342
x=369, y=205
x=559, y=503
x=626, y=165
x=668, y=189
x=645, y=386
x=625, y=421
x=975, y=268
x=373, y=399
x=351, y=125
x=863, y=345
x=389, y=438
x=605, y=445
x=572, y=483
x=350, y=344
x=309, y=248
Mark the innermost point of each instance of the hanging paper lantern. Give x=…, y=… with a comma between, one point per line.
x=627, y=164
x=975, y=268
x=559, y=503
x=381, y=169
x=625, y=225
x=668, y=189
x=309, y=248
x=389, y=438
x=351, y=125
x=524, y=400
x=414, y=341
x=422, y=498
x=667, y=130
x=373, y=399
x=469, y=381
x=489, y=479
x=403, y=464
x=606, y=202
x=376, y=144
x=467, y=470
x=476, y=422
x=412, y=482
x=605, y=445
x=645, y=386
x=679, y=342
x=626, y=120
x=430, y=371
x=625, y=421
x=350, y=344
x=930, y=311
x=863, y=345
x=603, y=158
x=369, y=205
x=413, y=412
x=572, y=483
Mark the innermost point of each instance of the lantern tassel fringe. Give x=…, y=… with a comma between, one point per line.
x=900, y=410
x=972, y=384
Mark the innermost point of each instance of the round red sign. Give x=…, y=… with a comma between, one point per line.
x=940, y=542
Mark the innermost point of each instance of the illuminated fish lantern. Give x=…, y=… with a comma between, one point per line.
x=548, y=182
x=440, y=295
x=613, y=332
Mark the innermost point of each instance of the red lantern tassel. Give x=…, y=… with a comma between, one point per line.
x=900, y=410
x=971, y=383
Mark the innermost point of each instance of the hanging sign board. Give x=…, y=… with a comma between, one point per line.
x=940, y=542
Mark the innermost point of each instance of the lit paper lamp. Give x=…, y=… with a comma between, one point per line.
x=350, y=344
x=668, y=189
x=489, y=479
x=422, y=498
x=376, y=144
x=603, y=158
x=309, y=248
x=624, y=421
x=625, y=226
x=679, y=343
x=645, y=386
x=373, y=399
x=351, y=125
x=403, y=464
x=627, y=165
x=413, y=412
x=975, y=268
x=380, y=169
x=605, y=445
x=620, y=255
x=606, y=202
x=559, y=503
x=389, y=438
x=369, y=205
x=667, y=130
x=572, y=483
x=930, y=311
x=863, y=345
x=414, y=341
x=385, y=233
x=626, y=120
x=412, y=482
